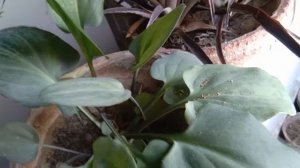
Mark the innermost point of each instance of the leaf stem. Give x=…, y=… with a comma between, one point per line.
x=139, y=107
x=167, y=111
x=156, y=99
x=135, y=76
x=90, y=116
x=122, y=139
x=149, y=136
x=64, y=149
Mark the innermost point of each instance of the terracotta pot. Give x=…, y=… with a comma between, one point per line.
x=46, y=119
x=249, y=49
x=291, y=130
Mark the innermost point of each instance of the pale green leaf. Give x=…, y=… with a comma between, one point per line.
x=169, y=69
x=243, y=89
x=30, y=60
x=86, y=92
x=69, y=16
x=144, y=46
x=222, y=137
x=110, y=153
x=87, y=12
x=154, y=154
x=19, y=142
x=69, y=110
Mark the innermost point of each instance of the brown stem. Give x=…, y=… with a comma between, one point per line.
x=271, y=25
x=194, y=47
x=219, y=21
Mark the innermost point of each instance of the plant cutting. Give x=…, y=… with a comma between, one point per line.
x=218, y=108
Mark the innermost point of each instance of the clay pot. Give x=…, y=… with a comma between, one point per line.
x=47, y=119
x=291, y=130
x=248, y=50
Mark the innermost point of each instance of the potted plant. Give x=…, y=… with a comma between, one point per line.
x=188, y=115
x=248, y=24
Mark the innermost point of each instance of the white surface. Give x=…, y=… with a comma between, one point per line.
x=35, y=13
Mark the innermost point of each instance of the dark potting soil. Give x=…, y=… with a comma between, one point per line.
x=77, y=134
x=204, y=36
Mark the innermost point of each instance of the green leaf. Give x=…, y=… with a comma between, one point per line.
x=243, y=89
x=170, y=69
x=110, y=153
x=87, y=12
x=154, y=154
x=19, y=142
x=222, y=137
x=30, y=60
x=86, y=92
x=175, y=93
x=69, y=110
x=69, y=15
x=144, y=46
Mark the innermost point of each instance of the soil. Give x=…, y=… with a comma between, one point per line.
x=76, y=133
x=204, y=36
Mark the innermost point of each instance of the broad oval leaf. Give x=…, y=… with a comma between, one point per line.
x=86, y=92
x=222, y=137
x=144, y=46
x=30, y=60
x=87, y=12
x=19, y=142
x=154, y=154
x=243, y=89
x=169, y=69
x=110, y=153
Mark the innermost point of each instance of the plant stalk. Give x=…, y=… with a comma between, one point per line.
x=64, y=149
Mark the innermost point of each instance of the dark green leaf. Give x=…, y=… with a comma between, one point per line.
x=86, y=92
x=30, y=60
x=243, y=89
x=147, y=43
x=110, y=153
x=19, y=142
